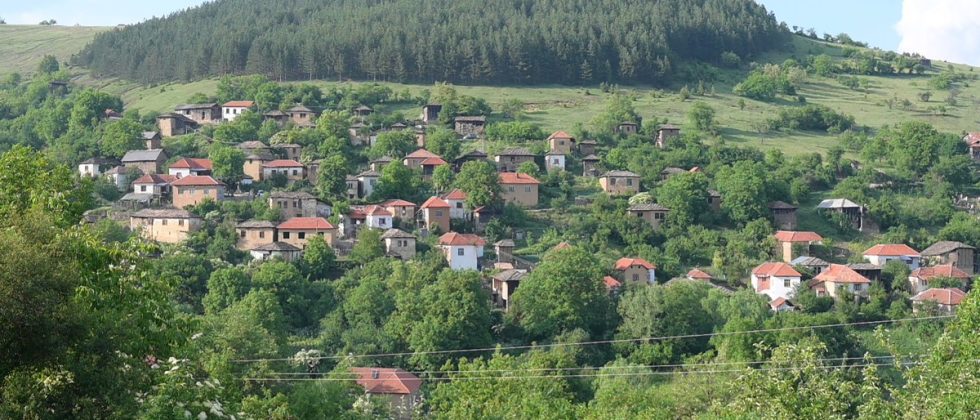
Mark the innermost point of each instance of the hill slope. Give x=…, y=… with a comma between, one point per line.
x=23, y=46
x=462, y=41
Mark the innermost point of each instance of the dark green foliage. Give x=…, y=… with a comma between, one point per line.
x=49, y=64
x=812, y=117
x=409, y=40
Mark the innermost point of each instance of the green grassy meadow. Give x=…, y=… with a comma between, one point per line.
x=23, y=46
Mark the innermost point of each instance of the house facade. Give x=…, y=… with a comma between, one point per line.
x=509, y=159
x=400, y=389
x=291, y=169
x=401, y=210
x=190, y=166
x=156, y=185
x=881, y=254
x=399, y=244
x=377, y=217
x=96, y=167
x=164, y=225
x=174, y=124
x=435, y=214
x=465, y=125
x=620, y=183
x=561, y=142
x=665, y=133
x=945, y=300
x=792, y=244
x=462, y=251
x=255, y=233
x=457, y=204
x=783, y=215
x=554, y=161
x=298, y=231
x=192, y=190
x=775, y=280
x=960, y=255
x=276, y=250
x=301, y=116
x=208, y=113
x=414, y=160
x=837, y=279
x=520, y=189
x=919, y=278
x=232, y=109
x=636, y=270
x=654, y=214
x=298, y=204
x=147, y=161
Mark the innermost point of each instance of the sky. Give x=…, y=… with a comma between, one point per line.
x=938, y=29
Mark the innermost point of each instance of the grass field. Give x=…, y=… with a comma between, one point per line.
x=23, y=46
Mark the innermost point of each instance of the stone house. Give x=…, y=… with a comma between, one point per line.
x=368, y=180
x=255, y=233
x=465, y=125
x=153, y=184
x=520, y=189
x=620, y=182
x=192, y=190
x=509, y=159
x=302, y=116
x=276, y=250
x=175, y=125
x=504, y=283
x=554, y=161
x=435, y=214
x=636, y=270
x=946, y=300
x=208, y=113
x=164, y=225
x=652, y=213
x=960, y=255
x=298, y=231
x=147, y=161
x=399, y=244
x=792, y=244
x=402, y=211
x=298, y=204
x=783, y=215
x=665, y=133
x=430, y=113
x=561, y=143
x=586, y=147
x=627, y=128
x=414, y=160
x=590, y=166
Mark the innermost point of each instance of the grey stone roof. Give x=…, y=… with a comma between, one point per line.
x=195, y=106
x=620, y=174
x=863, y=266
x=369, y=173
x=276, y=246
x=510, y=275
x=591, y=157
x=672, y=170
x=648, y=207
x=142, y=155
x=138, y=197
x=477, y=118
x=943, y=247
x=837, y=203
x=100, y=161
x=505, y=243
x=291, y=194
x=164, y=213
x=515, y=151
x=396, y=233
x=147, y=135
x=779, y=205
x=808, y=261
x=256, y=224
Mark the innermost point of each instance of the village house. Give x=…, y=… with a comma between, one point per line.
x=503, y=285
x=457, y=204
x=945, y=300
x=665, y=133
x=627, y=128
x=190, y=166
x=554, y=161
x=175, y=125
x=472, y=156
x=379, y=164
x=96, y=167
x=972, y=141
x=254, y=161
x=652, y=213
x=399, y=244
x=276, y=116
x=670, y=171
x=520, y=189
x=402, y=211
x=358, y=133
x=881, y=254
x=363, y=111
x=255, y=233
x=838, y=278
x=612, y=285
x=153, y=184
x=509, y=159
x=276, y=250
x=698, y=275
x=200, y=113
x=783, y=215
x=586, y=147
x=920, y=277
x=353, y=187
x=367, y=181
x=792, y=244
x=636, y=270
x=287, y=150
x=851, y=210
x=430, y=113
x=590, y=166
x=120, y=176
x=298, y=204
x=466, y=125
x=301, y=116
x=398, y=126
x=620, y=182
x=414, y=160
x=960, y=255
x=291, y=169
x=435, y=214
x=869, y=271
x=376, y=217
x=714, y=200
x=148, y=161
x=561, y=142
x=164, y=225
x=152, y=140
x=504, y=249
x=812, y=264
x=192, y=190
x=463, y=251
x=232, y=109
x=397, y=387
x=253, y=146
x=429, y=166
x=782, y=305
x=775, y=280
x=298, y=231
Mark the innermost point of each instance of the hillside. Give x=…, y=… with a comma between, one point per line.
x=461, y=41
x=23, y=46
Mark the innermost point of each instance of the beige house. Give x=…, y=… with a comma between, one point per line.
x=946, y=300
x=509, y=159
x=792, y=244
x=414, y=160
x=561, y=142
x=401, y=210
x=291, y=169
x=276, y=250
x=520, y=189
x=627, y=128
x=298, y=231
x=839, y=278
x=164, y=225
x=920, y=277
x=298, y=204
x=636, y=270
x=665, y=133
x=301, y=116
x=620, y=182
x=652, y=213
x=255, y=233
x=435, y=214
x=175, y=125
x=399, y=244
x=192, y=190
x=208, y=113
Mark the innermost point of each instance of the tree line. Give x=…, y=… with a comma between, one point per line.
x=496, y=41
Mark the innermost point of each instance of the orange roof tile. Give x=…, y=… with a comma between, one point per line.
x=398, y=203
x=698, y=274
x=794, y=236
x=561, y=245
x=945, y=270
x=892, y=250
x=516, y=178
x=461, y=239
x=775, y=304
x=192, y=163
x=421, y=154
x=455, y=195
x=196, y=181
x=306, y=223
x=386, y=381
x=239, y=104
x=433, y=161
x=625, y=263
x=837, y=273
x=435, y=203
x=283, y=163
x=374, y=210
x=611, y=283
x=560, y=134
x=950, y=296
x=775, y=269
x=155, y=179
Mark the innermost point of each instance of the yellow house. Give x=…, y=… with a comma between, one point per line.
x=435, y=213
x=192, y=190
x=561, y=142
x=652, y=213
x=520, y=189
x=255, y=233
x=298, y=231
x=164, y=225
x=620, y=182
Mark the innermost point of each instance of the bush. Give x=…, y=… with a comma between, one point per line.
x=812, y=117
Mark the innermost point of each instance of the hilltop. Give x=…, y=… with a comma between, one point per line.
x=23, y=46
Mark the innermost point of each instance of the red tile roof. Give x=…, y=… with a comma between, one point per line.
x=516, y=178
x=435, y=203
x=698, y=274
x=421, y=154
x=455, y=195
x=560, y=134
x=155, y=179
x=775, y=304
x=892, y=250
x=192, y=163
x=625, y=263
x=793, y=236
x=283, y=163
x=374, y=210
x=196, y=181
x=239, y=104
x=433, y=161
x=775, y=269
x=837, y=273
x=973, y=137
x=611, y=283
x=561, y=245
x=306, y=223
x=950, y=297
x=386, y=381
x=946, y=270
x=461, y=239
x=398, y=203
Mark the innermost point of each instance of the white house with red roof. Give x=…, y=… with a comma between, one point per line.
x=291, y=169
x=920, y=277
x=775, y=280
x=232, y=109
x=457, y=204
x=789, y=243
x=190, y=166
x=153, y=184
x=946, y=300
x=837, y=278
x=972, y=141
x=398, y=387
x=463, y=251
x=377, y=217
x=881, y=254
x=636, y=270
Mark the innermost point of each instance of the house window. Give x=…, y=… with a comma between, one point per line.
x=143, y=188
x=460, y=252
x=295, y=171
x=381, y=221
x=612, y=181
x=295, y=204
x=511, y=189
x=285, y=235
x=302, y=235
x=527, y=189
x=302, y=115
x=786, y=283
x=639, y=214
x=629, y=182
x=636, y=277
x=242, y=233
x=261, y=234
x=163, y=222
x=459, y=205
x=438, y=213
x=658, y=216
